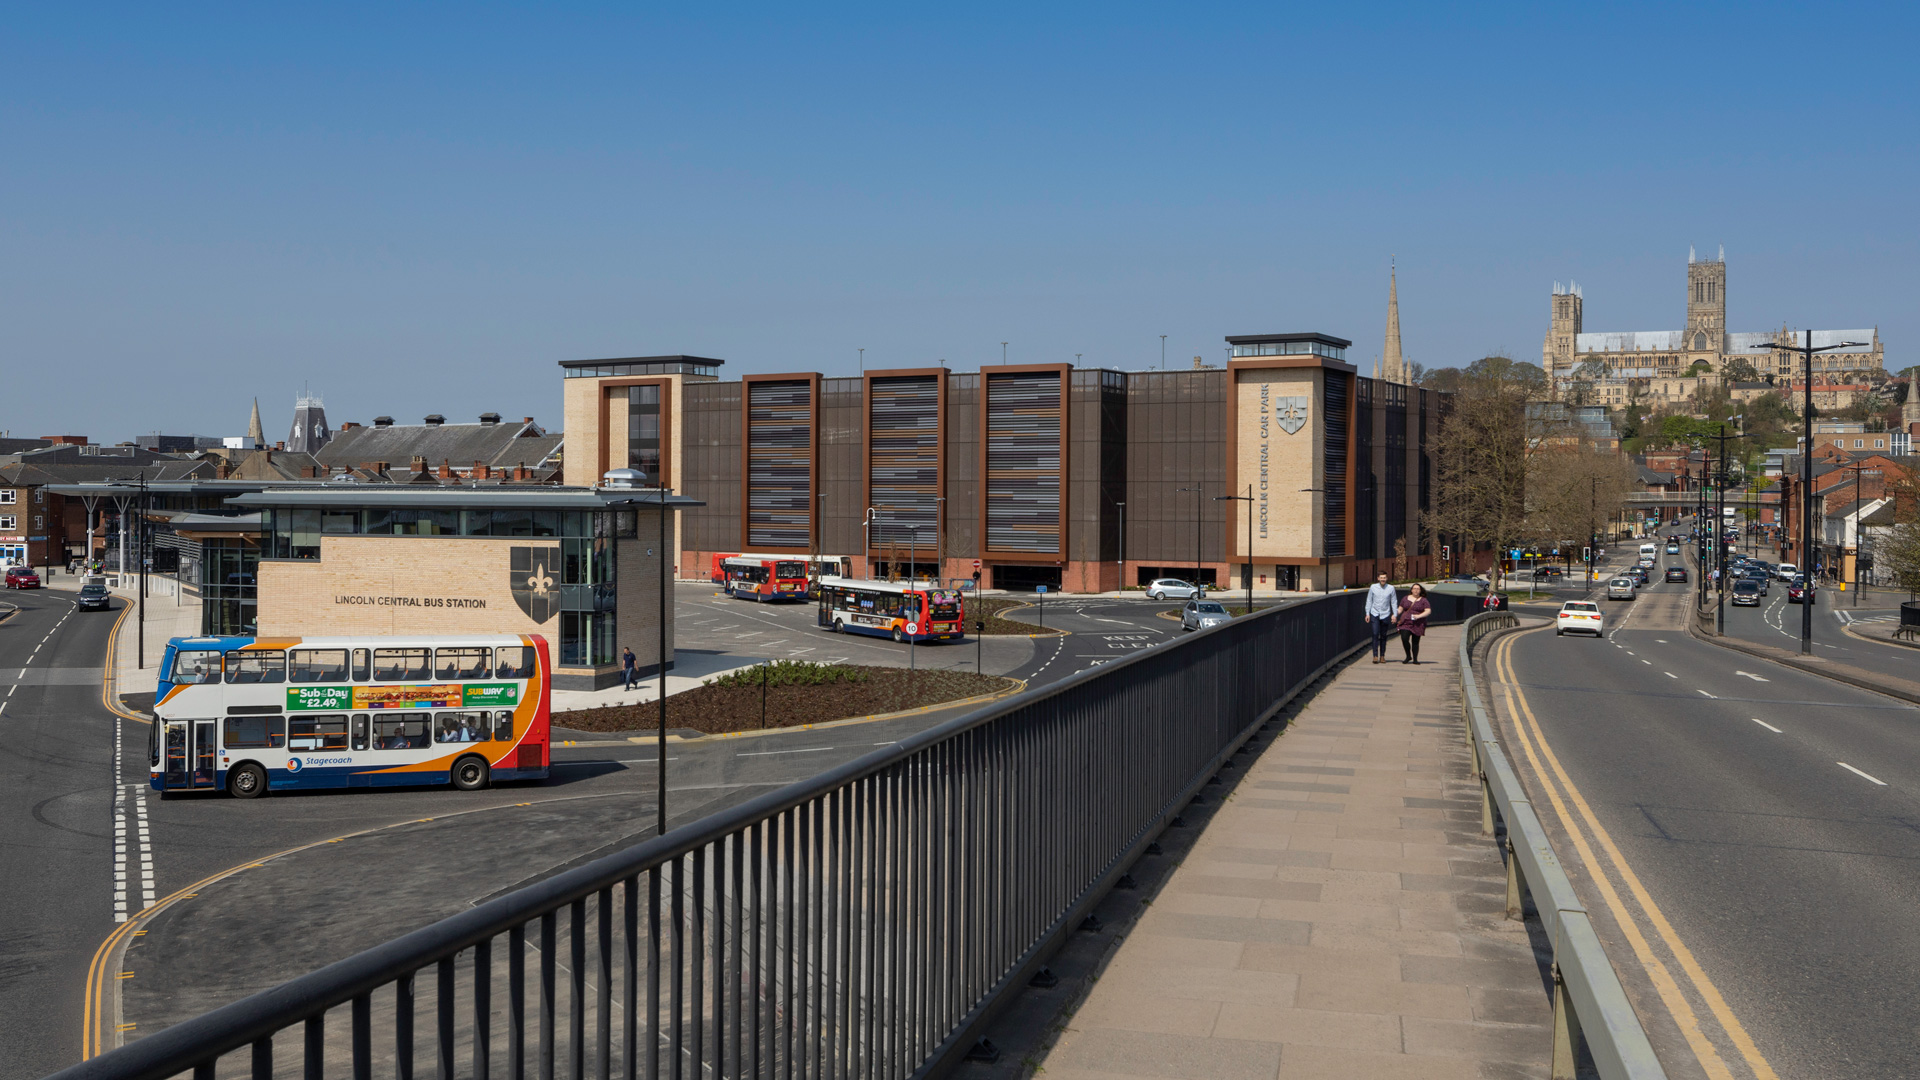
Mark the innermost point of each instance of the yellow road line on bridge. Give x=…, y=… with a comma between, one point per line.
x=1528, y=727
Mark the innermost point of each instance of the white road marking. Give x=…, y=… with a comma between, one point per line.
x=1751, y=675
x=1629, y=651
x=1766, y=725
x=1868, y=776
x=1703, y=693
x=1669, y=674
x=770, y=753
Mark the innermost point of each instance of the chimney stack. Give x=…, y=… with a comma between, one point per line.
x=419, y=463
x=446, y=469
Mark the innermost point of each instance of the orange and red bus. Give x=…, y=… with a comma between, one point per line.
x=250, y=715
x=765, y=577
x=901, y=611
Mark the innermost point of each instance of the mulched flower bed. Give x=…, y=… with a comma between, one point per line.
x=714, y=709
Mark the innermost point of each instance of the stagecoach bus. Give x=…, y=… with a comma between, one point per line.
x=886, y=609
x=766, y=577
x=249, y=715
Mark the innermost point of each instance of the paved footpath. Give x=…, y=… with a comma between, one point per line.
x=1339, y=916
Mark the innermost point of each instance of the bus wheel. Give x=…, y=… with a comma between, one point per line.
x=470, y=773
x=839, y=626
x=899, y=636
x=249, y=781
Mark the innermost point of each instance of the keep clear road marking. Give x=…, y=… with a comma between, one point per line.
x=1657, y=972
x=1766, y=725
x=1857, y=772
x=1751, y=675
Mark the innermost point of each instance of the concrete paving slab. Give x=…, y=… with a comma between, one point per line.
x=1332, y=920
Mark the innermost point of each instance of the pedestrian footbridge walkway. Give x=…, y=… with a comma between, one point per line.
x=1339, y=916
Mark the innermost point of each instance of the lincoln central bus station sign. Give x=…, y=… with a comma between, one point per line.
x=580, y=567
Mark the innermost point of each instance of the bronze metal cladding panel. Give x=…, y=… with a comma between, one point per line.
x=963, y=466
x=779, y=464
x=903, y=465
x=1175, y=439
x=1336, y=424
x=710, y=445
x=841, y=436
x=1024, y=450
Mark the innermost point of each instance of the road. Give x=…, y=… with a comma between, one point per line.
x=1750, y=829
x=404, y=855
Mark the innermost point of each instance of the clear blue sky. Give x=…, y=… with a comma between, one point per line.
x=422, y=209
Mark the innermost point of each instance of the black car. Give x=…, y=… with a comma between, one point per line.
x=1746, y=592
x=94, y=598
x=1677, y=573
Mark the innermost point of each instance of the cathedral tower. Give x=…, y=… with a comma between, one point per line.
x=1556, y=356
x=1706, y=304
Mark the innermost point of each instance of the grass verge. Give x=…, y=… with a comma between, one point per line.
x=794, y=697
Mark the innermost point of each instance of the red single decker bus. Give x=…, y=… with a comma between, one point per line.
x=766, y=577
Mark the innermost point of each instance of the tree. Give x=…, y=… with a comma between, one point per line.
x=1740, y=369
x=1480, y=455
x=1899, y=552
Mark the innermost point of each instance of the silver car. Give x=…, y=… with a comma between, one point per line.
x=1200, y=614
x=1623, y=588
x=1168, y=588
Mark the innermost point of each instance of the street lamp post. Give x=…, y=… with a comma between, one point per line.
x=1248, y=499
x=1121, y=503
x=1197, y=492
x=1859, y=496
x=1806, y=473
x=1719, y=529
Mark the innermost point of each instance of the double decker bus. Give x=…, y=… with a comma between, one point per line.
x=903, y=612
x=250, y=715
x=765, y=577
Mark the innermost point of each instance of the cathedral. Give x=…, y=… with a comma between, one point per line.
x=1656, y=365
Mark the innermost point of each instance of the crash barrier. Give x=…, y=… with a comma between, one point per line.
x=1589, y=1004
x=868, y=921
x=1909, y=619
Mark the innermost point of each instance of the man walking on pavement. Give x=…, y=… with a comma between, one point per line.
x=1383, y=607
x=627, y=661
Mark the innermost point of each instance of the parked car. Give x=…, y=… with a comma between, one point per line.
x=1623, y=588
x=1547, y=573
x=94, y=597
x=22, y=577
x=1167, y=588
x=1746, y=592
x=1200, y=614
x=1580, y=617
x=1801, y=591
x=1677, y=573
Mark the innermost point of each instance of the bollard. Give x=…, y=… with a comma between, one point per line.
x=1566, y=1031
x=1514, y=907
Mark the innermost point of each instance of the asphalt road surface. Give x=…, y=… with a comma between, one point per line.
x=1752, y=826
x=407, y=853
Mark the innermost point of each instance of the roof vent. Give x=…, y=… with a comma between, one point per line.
x=435, y=419
x=623, y=478
x=489, y=417
x=383, y=421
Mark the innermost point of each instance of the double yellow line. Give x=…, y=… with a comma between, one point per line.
x=1561, y=792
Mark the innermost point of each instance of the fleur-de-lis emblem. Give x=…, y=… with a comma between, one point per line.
x=539, y=580
x=1291, y=413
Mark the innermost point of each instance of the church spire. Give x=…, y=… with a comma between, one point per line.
x=1394, y=369
x=256, y=435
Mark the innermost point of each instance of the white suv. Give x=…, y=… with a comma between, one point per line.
x=1168, y=588
x=1786, y=571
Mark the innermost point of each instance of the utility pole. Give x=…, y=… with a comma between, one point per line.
x=1719, y=526
x=1248, y=499
x=1806, y=475
x=1196, y=534
x=1859, y=496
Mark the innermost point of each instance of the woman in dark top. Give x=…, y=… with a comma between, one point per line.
x=1414, y=610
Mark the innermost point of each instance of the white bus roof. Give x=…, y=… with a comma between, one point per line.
x=749, y=556
x=882, y=586
x=367, y=640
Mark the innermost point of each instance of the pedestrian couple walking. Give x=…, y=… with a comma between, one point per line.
x=1388, y=610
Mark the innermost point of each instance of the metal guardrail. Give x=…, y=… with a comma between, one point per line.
x=1588, y=1002
x=867, y=922
x=1909, y=619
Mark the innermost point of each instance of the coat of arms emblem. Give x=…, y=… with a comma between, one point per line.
x=1290, y=413
x=535, y=587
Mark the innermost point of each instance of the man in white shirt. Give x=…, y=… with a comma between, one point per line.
x=1383, y=607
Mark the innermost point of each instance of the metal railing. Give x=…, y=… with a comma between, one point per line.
x=1589, y=1004
x=867, y=922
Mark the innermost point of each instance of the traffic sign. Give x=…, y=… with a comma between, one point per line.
x=1040, y=588
x=976, y=564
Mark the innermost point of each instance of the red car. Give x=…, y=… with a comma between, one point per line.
x=22, y=577
x=1800, y=591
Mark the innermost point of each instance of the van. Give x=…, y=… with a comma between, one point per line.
x=1649, y=551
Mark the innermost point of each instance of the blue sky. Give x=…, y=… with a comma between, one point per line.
x=420, y=209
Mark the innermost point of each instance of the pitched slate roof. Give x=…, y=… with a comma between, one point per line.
x=459, y=445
